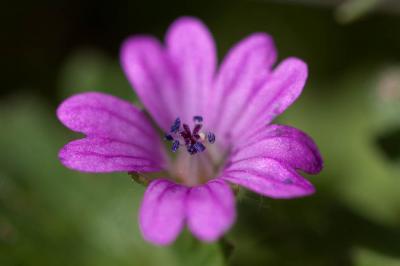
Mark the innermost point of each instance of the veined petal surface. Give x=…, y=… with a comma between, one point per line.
x=119, y=136
x=162, y=213
x=210, y=210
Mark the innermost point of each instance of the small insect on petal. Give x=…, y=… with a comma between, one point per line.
x=175, y=145
x=176, y=125
x=211, y=137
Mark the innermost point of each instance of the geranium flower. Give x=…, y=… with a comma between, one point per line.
x=216, y=124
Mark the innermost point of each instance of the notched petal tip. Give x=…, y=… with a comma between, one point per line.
x=63, y=111
x=295, y=65
x=210, y=210
x=286, y=144
x=162, y=212
x=136, y=43
x=189, y=31
x=268, y=177
x=264, y=40
x=186, y=22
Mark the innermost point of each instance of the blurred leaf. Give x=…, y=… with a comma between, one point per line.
x=365, y=257
x=190, y=251
x=317, y=230
x=298, y=232
x=387, y=97
x=92, y=70
x=387, y=106
x=351, y=10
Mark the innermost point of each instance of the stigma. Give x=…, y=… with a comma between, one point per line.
x=194, y=140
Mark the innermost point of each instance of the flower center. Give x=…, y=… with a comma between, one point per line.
x=194, y=140
x=194, y=163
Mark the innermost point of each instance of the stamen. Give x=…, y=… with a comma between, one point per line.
x=193, y=140
x=176, y=125
x=168, y=137
x=211, y=137
x=191, y=150
x=199, y=147
x=175, y=145
x=196, y=148
x=197, y=119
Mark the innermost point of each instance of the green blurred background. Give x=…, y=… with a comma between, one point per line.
x=50, y=215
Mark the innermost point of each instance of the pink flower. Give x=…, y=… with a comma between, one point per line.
x=217, y=120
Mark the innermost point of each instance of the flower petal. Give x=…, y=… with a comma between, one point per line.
x=191, y=48
x=267, y=177
x=242, y=73
x=285, y=144
x=210, y=210
x=162, y=212
x=280, y=90
x=153, y=77
x=101, y=155
x=100, y=114
x=118, y=125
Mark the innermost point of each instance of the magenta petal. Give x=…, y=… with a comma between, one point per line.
x=280, y=90
x=285, y=144
x=192, y=50
x=120, y=137
x=99, y=155
x=153, y=77
x=210, y=210
x=100, y=114
x=267, y=177
x=242, y=73
x=162, y=212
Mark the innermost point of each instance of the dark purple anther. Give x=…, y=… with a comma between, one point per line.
x=176, y=125
x=175, y=145
x=197, y=119
x=168, y=137
x=211, y=137
x=196, y=148
x=199, y=147
x=191, y=150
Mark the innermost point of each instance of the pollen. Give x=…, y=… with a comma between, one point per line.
x=194, y=140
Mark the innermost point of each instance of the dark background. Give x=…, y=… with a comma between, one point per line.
x=50, y=215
